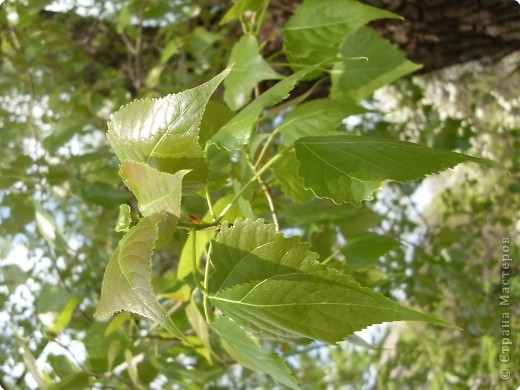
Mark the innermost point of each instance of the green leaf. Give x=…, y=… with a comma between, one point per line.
x=155, y=191
x=275, y=287
x=248, y=354
x=237, y=131
x=248, y=70
x=169, y=51
x=199, y=325
x=317, y=29
x=285, y=171
x=124, y=218
x=166, y=128
x=47, y=226
x=358, y=79
x=11, y=276
x=316, y=117
x=242, y=6
x=363, y=250
x=78, y=380
x=217, y=114
x=219, y=163
x=127, y=281
x=351, y=168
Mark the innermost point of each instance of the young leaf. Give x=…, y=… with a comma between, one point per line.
x=363, y=250
x=248, y=354
x=274, y=286
x=358, y=79
x=124, y=218
x=127, y=281
x=248, y=70
x=237, y=131
x=351, y=168
x=155, y=191
x=314, y=33
x=316, y=117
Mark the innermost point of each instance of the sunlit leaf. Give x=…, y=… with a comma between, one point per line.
x=126, y=284
x=124, y=218
x=248, y=70
x=349, y=169
x=358, y=79
x=164, y=129
x=247, y=353
x=275, y=287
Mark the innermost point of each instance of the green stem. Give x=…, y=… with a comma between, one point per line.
x=251, y=181
x=328, y=259
x=194, y=262
x=205, y=301
x=210, y=205
x=266, y=147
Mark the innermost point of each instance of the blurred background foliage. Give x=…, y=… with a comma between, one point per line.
x=66, y=66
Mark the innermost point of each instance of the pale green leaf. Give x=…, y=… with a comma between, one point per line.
x=169, y=51
x=248, y=70
x=363, y=250
x=358, y=79
x=47, y=226
x=349, y=169
x=316, y=117
x=155, y=191
x=165, y=130
x=242, y=6
x=127, y=280
x=285, y=171
x=237, y=131
x=116, y=322
x=248, y=354
x=199, y=325
x=124, y=218
x=317, y=29
x=132, y=368
x=275, y=287
x=65, y=315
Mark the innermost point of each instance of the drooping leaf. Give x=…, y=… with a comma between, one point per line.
x=363, y=250
x=165, y=130
x=248, y=354
x=155, y=191
x=358, y=79
x=237, y=131
x=126, y=283
x=285, y=171
x=248, y=70
x=275, y=287
x=349, y=169
x=316, y=117
x=317, y=29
